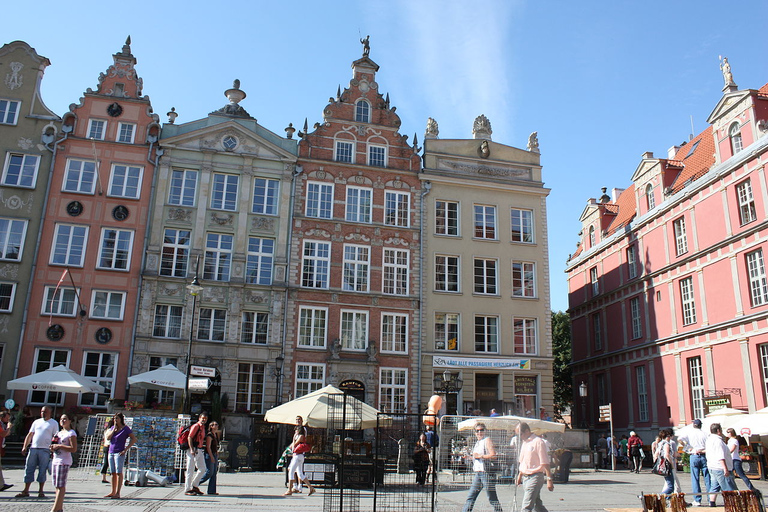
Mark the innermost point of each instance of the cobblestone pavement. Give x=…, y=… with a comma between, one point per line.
x=586, y=491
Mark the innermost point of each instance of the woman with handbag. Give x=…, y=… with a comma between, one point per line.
x=482, y=455
x=299, y=447
x=664, y=460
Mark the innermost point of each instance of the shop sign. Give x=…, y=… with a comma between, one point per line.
x=199, y=385
x=476, y=363
x=352, y=385
x=714, y=403
x=202, y=371
x=526, y=384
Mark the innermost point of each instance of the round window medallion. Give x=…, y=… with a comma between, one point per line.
x=229, y=142
x=75, y=208
x=114, y=110
x=55, y=332
x=103, y=335
x=120, y=212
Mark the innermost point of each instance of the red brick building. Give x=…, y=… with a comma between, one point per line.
x=354, y=266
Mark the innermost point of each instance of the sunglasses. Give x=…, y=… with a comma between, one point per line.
x=480, y=430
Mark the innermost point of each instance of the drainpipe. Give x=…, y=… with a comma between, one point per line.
x=427, y=188
x=66, y=129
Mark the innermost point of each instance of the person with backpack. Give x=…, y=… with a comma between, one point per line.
x=196, y=456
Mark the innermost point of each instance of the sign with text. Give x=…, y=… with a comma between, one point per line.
x=202, y=371
x=480, y=363
x=526, y=384
x=605, y=412
x=714, y=403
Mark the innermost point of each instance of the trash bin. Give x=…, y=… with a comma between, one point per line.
x=564, y=467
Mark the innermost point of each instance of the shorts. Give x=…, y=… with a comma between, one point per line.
x=59, y=473
x=116, y=462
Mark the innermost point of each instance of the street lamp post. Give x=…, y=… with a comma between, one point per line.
x=583, y=395
x=194, y=288
x=278, y=372
x=448, y=383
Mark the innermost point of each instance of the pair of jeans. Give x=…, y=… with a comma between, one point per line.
x=37, y=458
x=720, y=482
x=211, y=470
x=480, y=480
x=669, y=483
x=532, y=485
x=698, y=467
x=739, y=471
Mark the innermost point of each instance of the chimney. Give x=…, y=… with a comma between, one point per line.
x=671, y=152
x=647, y=155
x=616, y=192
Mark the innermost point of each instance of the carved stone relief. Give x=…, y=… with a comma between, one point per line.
x=25, y=143
x=263, y=224
x=396, y=240
x=9, y=271
x=152, y=261
x=14, y=79
x=180, y=214
x=317, y=232
x=255, y=298
x=357, y=237
x=223, y=220
x=170, y=289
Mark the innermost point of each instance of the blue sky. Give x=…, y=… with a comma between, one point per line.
x=602, y=82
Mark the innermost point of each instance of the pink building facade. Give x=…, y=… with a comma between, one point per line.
x=668, y=289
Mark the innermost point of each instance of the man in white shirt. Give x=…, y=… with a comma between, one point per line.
x=38, y=442
x=695, y=444
x=719, y=464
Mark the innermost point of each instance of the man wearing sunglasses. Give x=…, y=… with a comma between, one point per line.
x=533, y=468
x=482, y=453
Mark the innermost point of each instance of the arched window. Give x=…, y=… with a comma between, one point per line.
x=649, y=197
x=735, y=133
x=363, y=112
x=592, y=236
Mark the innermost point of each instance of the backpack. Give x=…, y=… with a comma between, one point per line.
x=183, y=438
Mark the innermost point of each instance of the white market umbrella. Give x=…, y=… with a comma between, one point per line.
x=757, y=423
x=726, y=417
x=59, y=379
x=315, y=408
x=509, y=423
x=166, y=378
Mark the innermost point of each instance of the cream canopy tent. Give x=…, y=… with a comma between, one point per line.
x=316, y=407
x=509, y=423
x=166, y=378
x=58, y=379
x=726, y=417
x=755, y=423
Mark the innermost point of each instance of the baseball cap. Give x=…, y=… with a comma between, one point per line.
x=697, y=423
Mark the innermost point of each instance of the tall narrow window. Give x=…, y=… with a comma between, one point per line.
x=764, y=366
x=522, y=226
x=320, y=200
x=354, y=330
x=183, y=187
x=485, y=276
x=100, y=368
x=758, y=283
x=592, y=238
x=315, y=264
x=211, y=324
x=595, y=283
x=116, y=248
x=746, y=200
x=486, y=333
x=642, y=394
x=357, y=263
x=363, y=112
x=218, y=257
x=393, y=390
x=249, y=397
x=523, y=279
x=312, y=327
x=309, y=378
x=258, y=266
x=345, y=151
x=687, y=301
x=12, y=235
x=7, y=294
x=485, y=222
x=175, y=255
x=447, y=273
x=397, y=209
x=359, y=204
x=395, y=269
x=254, y=327
x=265, y=195
x=632, y=261
x=649, y=197
x=224, y=192
x=377, y=156
x=167, y=321
x=69, y=245
x=637, y=325
x=681, y=239
x=696, y=381
x=524, y=336
x=394, y=333
x=446, y=331
x=446, y=218
x=735, y=134
x=597, y=331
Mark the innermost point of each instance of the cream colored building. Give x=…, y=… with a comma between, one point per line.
x=486, y=307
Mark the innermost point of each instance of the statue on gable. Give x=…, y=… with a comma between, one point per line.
x=725, y=67
x=481, y=129
x=432, y=130
x=366, y=45
x=533, y=142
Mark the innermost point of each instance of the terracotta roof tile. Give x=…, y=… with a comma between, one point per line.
x=627, y=209
x=763, y=91
x=698, y=162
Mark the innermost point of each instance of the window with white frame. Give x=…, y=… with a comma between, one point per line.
x=125, y=181
x=158, y=395
x=309, y=378
x=97, y=128
x=357, y=263
x=224, y=191
x=359, y=204
x=397, y=209
x=20, y=170
x=312, y=327
x=354, y=330
x=80, y=176
x=69, y=245
x=486, y=333
x=60, y=302
x=249, y=397
x=525, y=339
x=167, y=323
x=363, y=112
x=597, y=331
x=696, y=382
x=107, y=305
x=447, y=273
x=265, y=196
x=632, y=261
x=183, y=187
x=175, y=253
x=522, y=226
x=747, y=212
x=218, y=256
x=594, y=281
x=447, y=331
x=523, y=279
x=592, y=237
x=254, y=327
x=9, y=111
x=100, y=367
x=637, y=322
x=261, y=256
x=758, y=283
x=377, y=156
x=642, y=394
x=212, y=324
x=650, y=199
x=116, y=246
x=395, y=279
x=394, y=332
x=12, y=235
x=687, y=300
x=392, y=390
x=447, y=218
x=319, y=200
x=735, y=135
x=315, y=264
x=681, y=239
x=345, y=151
x=7, y=294
x=485, y=222
x=45, y=359
x=126, y=132
x=764, y=366
x=485, y=276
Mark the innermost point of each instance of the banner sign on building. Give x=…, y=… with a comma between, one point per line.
x=526, y=384
x=471, y=363
x=713, y=403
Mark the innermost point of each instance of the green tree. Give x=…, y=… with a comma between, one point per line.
x=561, y=348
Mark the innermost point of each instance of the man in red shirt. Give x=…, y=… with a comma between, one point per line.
x=196, y=456
x=533, y=469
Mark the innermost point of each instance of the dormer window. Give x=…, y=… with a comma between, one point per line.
x=363, y=112
x=592, y=239
x=649, y=197
x=735, y=134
